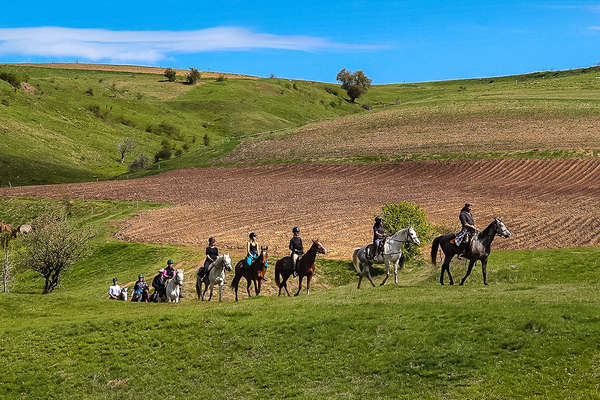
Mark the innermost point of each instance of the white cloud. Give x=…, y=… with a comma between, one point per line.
x=151, y=46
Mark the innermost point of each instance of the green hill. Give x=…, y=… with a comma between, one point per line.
x=67, y=127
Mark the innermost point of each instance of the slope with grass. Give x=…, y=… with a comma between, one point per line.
x=67, y=127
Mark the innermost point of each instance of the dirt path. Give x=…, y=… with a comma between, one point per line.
x=545, y=203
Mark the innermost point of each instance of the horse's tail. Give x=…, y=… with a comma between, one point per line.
x=278, y=273
x=356, y=261
x=434, y=249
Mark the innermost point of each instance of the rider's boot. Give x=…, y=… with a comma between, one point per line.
x=295, y=273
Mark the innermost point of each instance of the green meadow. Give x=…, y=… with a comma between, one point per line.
x=534, y=332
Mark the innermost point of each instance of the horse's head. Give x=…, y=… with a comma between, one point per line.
x=179, y=276
x=264, y=253
x=227, y=262
x=411, y=236
x=319, y=247
x=501, y=228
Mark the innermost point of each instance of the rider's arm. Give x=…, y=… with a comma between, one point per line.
x=248, y=247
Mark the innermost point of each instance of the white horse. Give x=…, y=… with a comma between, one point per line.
x=173, y=287
x=214, y=274
x=392, y=254
x=123, y=294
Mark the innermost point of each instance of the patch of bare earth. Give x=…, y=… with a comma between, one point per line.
x=545, y=203
x=416, y=131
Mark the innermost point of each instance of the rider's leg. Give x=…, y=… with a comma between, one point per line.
x=294, y=260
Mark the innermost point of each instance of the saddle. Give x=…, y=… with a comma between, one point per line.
x=371, y=249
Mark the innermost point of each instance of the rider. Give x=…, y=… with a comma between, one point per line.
x=251, y=248
x=158, y=283
x=378, y=235
x=211, y=256
x=114, y=291
x=463, y=238
x=169, y=273
x=296, y=248
x=140, y=290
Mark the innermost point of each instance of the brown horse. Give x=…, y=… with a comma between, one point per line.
x=253, y=273
x=6, y=228
x=305, y=266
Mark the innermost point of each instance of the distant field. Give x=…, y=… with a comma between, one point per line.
x=546, y=203
x=138, y=69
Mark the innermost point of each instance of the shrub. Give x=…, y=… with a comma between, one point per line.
x=185, y=147
x=5, y=102
x=164, y=128
x=162, y=154
x=221, y=78
x=354, y=83
x=141, y=163
x=95, y=109
x=193, y=76
x=89, y=92
x=332, y=103
x=295, y=86
x=126, y=122
x=206, y=140
x=13, y=78
x=332, y=91
x=397, y=216
x=178, y=152
x=170, y=74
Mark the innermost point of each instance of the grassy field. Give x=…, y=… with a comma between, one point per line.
x=68, y=128
x=532, y=333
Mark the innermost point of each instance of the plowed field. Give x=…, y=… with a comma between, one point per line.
x=545, y=203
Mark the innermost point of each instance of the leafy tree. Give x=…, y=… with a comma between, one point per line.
x=54, y=245
x=397, y=216
x=193, y=76
x=14, y=79
x=125, y=147
x=354, y=83
x=141, y=163
x=170, y=74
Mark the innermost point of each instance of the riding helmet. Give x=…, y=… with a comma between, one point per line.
x=169, y=262
x=378, y=218
x=140, y=276
x=295, y=230
x=211, y=240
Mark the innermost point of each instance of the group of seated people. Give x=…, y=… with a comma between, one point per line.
x=141, y=291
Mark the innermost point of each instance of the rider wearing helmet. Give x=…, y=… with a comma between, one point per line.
x=378, y=235
x=296, y=247
x=211, y=256
x=463, y=238
x=251, y=248
x=140, y=290
x=169, y=273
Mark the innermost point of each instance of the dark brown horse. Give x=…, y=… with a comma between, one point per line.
x=254, y=272
x=479, y=249
x=305, y=267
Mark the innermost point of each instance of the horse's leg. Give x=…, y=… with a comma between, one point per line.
x=484, y=269
x=396, y=270
x=259, y=285
x=308, y=284
x=285, y=285
x=205, y=289
x=255, y=287
x=471, y=263
x=211, y=290
x=387, y=271
x=220, y=292
x=299, y=284
x=248, y=283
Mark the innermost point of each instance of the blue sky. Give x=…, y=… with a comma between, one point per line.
x=392, y=41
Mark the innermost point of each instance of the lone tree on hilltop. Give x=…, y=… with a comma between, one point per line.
x=170, y=74
x=193, y=76
x=354, y=83
x=125, y=147
x=54, y=245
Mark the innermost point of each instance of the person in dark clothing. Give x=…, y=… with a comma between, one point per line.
x=140, y=290
x=378, y=235
x=158, y=283
x=251, y=249
x=463, y=238
x=296, y=247
x=211, y=256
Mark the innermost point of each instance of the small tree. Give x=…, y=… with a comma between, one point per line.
x=354, y=83
x=125, y=147
x=206, y=140
x=140, y=163
x=170, y=74
x=193, y=76
x=7, y=266
x=397, y=216
x=54, y=245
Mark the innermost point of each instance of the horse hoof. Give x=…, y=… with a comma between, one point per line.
x=451, y=283
x=485, y=283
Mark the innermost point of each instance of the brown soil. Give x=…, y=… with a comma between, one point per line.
x=545, y=203
x=130, y=68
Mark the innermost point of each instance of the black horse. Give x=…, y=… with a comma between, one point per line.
x=478, y=250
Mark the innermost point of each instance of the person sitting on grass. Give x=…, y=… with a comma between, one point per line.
x=114, y=292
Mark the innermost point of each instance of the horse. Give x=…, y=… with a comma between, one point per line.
x=214, y=274
x=479, y=249
x=23, y=229
x=173, y=287
x=6, y=228
x=305, y=266
x=123, y=294
x=392, y=254
x=253, y=272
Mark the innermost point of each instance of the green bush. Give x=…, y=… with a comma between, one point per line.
x=5, y=102
x=95, y=109
x=141, y=163
x=221, y=78
x=164, y=128
x=14, y=79
x=170, y=74
x=332, y=91
x=206, y=140
x=89, y=92
x=193, y=76
x=162, y=154
x=397, y=216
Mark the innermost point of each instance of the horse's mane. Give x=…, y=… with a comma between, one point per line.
x=485, y=232
x=400, y=232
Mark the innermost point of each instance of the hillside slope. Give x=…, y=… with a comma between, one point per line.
x=67, y=127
